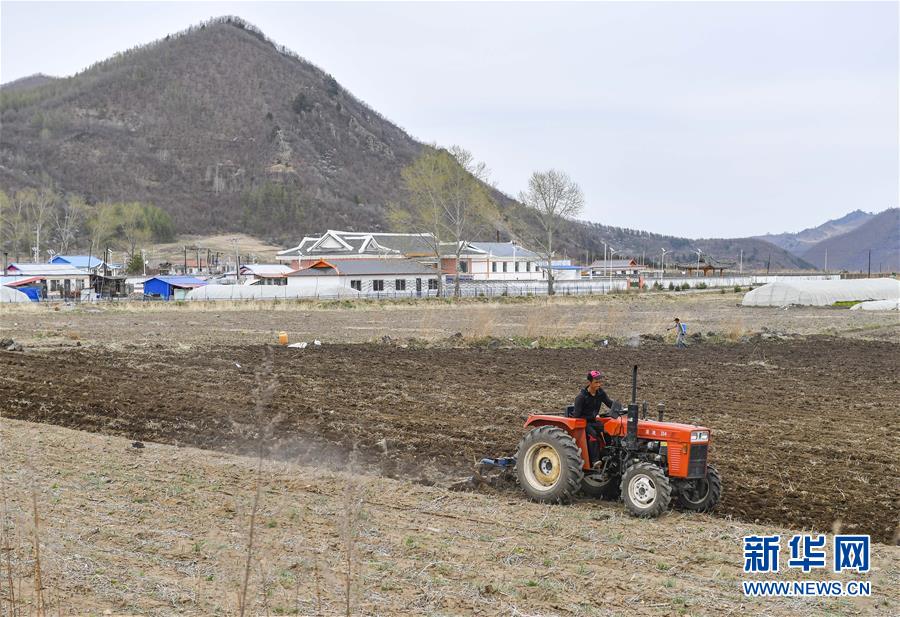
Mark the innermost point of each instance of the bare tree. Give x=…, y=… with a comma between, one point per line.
x=39, y=206
x=448, y=200
x=552, y=197
x=67, y=220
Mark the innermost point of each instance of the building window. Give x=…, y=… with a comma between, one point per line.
x=493, y=266
x=378, y=285
x=432, y=283
x=357, y=285
x=517, y=266
x=462, y=267
x=528, y=267
x=504, y=266
x=400, y=285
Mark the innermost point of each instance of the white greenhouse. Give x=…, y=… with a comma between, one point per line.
x=822, y=293
x=877, y=305
x=8, y=294
x=313, y=289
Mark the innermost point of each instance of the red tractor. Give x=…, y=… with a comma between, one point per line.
x=646, y=462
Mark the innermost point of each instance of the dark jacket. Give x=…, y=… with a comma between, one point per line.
x=587, y=406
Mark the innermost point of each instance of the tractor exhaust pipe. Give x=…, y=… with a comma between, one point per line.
x=661, y=410
x=634, y=385
x=631, y=435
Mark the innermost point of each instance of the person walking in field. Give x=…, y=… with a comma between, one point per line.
x=680, y=333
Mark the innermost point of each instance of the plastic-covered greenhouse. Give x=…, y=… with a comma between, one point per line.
x=877, y=305
x=330, y=289
x=8, y=294
x=822, y=293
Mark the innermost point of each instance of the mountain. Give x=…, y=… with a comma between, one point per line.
x=800, y=242
x=227, y=131
x=850, y=250
x=27, y=83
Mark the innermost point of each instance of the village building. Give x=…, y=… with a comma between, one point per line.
x=478, y=261
x=92, y=264
x=171, y=287
x=389, y=276
x=615, y=267
x=707, y=265
x=492, y=261
x=59, y=281
x=265, y=274
x=347, y=245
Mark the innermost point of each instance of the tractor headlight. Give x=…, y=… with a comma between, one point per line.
x=699, y=436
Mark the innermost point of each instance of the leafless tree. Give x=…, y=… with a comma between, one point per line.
x=67, y=220
x=552, y=197
x=448, y=200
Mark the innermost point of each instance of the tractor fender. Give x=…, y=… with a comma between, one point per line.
x=573, y=426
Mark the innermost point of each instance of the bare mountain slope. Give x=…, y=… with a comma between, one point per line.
x=850, y=251
x=800, y=242
x=193, y=121
x=227, y=131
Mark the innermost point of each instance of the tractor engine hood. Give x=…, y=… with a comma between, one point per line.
x=652, y=429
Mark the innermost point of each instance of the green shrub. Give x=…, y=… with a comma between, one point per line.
x=702, y=285
x=737, y=289
x=686, y=286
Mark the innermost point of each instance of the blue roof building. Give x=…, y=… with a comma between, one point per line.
x=168, y=287
x=87, y=262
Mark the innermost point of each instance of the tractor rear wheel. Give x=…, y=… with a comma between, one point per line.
x=548, y=465
x=646, y=490
x=701, y=495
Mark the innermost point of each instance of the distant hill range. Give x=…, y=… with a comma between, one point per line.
x=850, y=251
x=845, y=242
x=228, y=131
x=800, y=242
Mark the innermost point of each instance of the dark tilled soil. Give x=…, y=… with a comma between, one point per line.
x=805, y=433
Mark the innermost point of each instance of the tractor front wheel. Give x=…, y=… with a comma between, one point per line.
x=701, y=495
x=646, y=490
x=548, y=465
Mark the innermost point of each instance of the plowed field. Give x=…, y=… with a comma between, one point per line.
x=805, y=432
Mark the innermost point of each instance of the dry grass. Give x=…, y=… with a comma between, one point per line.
x=323, y=545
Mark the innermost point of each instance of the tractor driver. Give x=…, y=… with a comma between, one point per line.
x=587, y=406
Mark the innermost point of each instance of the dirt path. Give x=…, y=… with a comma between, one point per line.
x=163, y=530
x=804, y=433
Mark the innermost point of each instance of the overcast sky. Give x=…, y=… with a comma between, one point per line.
x=699, y=120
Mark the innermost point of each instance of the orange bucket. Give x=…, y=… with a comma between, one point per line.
x=282, y=338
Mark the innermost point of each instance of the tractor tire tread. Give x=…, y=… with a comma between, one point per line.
x=570, y=455
x=663, y=487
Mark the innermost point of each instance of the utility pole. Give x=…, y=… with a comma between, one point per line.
x=237, y=262
x=826, y=260
x=870, y=264
x=768, y=263
x=698, y=251
x=185, y=260
x=742, y=263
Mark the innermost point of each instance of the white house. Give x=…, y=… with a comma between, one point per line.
x=616, y=267
x=478, y=261
x=492, y=261
x=61, y=280
x=389, y=276
x=265, y=274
